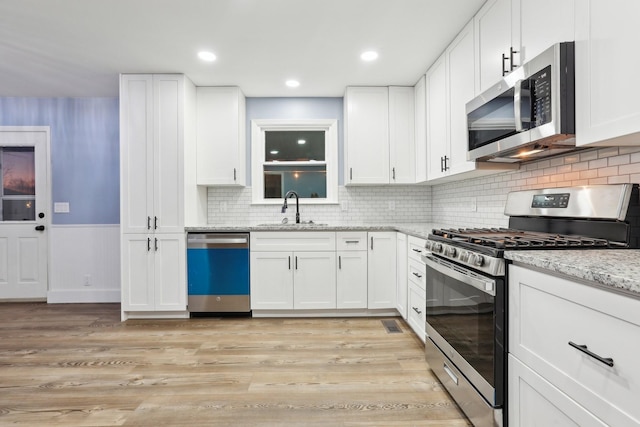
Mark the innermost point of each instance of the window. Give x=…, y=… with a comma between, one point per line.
x=18, y=190
x=298, y=155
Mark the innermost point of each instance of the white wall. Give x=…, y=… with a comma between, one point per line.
x=78, y=251
x=480, y=202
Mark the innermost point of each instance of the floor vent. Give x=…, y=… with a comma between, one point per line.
x=391, y=326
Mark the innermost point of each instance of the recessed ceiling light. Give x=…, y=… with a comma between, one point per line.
x=302, y=141
x=369, y=55
x=207, y=56
x=292, y=83
x=274, y=151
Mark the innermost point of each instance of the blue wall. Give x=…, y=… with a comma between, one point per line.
x=296, y=108
x=85, y=152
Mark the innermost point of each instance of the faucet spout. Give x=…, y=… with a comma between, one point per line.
x=290, y=194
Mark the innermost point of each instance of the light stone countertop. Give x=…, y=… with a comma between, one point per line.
x=611, y=268
x=421, y=230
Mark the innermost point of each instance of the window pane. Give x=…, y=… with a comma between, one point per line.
x=19, y=210
x=307, y=181
x=287, y=146
x=18, y=171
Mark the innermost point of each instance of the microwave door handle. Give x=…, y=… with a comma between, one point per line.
x=517, y=105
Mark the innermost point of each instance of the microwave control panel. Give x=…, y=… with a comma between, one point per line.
x=541, y=97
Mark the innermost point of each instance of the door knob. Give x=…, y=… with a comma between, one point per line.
x=40, y=227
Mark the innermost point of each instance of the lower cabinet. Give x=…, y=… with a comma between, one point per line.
x=154, y=272
x=573, y=350
x=293, y=280
x=382, y=269
x=401, y=280
x=352, y=269
x=416, y=315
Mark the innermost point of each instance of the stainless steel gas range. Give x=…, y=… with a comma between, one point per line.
x=467, y=282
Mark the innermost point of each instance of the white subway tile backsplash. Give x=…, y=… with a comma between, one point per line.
x=477, y=202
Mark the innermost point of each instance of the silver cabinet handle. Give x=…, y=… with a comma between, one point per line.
x=148, y=223
x=155, y=222
x=148, y=244
x=350, y=174
x=417, y=275
x=417, y=250
x=416, y=310
x=352, y=241
x=511, y=53
x=234, y=174
x=296, y=262
x=583, y=348
x=393, y=171
x=372, y=243
x=289, y=262
x=156, y=244
x=340, y=262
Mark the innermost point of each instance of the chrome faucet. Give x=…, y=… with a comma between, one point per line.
x=285, y=206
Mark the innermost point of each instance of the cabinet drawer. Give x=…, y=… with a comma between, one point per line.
x=546, y=313
x=416, y=246
x=417, y=274
x=351, y=240
x=278, y=241
x=416, y=310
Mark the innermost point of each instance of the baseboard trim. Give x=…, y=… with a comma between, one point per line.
x=82, y=296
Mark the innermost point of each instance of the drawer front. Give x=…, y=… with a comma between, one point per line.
x=417, y=274
x=416, y=246
x=416, y=315
x=351, y=241
x=546, y=313
x=279, y=241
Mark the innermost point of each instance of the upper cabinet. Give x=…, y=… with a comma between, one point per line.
x=221, y=136
x=451, y=82
x=379, y=135
x=511, y=32
x=607, y=108
x=420, y=126
x=152, y=139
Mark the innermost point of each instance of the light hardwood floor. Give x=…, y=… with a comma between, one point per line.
x=78, y=365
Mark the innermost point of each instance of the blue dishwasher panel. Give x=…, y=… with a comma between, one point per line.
x=218, y=271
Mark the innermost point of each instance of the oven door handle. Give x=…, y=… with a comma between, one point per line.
x=486, y=285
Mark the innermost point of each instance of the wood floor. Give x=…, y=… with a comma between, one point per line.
x=78, y=365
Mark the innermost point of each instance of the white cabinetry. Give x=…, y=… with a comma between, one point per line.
x=293, y=270
x=379, y=135
x=152, y=194
x=511, y=32
x=451, y=83
x=221, y=141
x=352, y=269
x=382, y=270
x=416, y=271
x=420, y=134
x=607, y=108
x=549, y=317
x=401, y=280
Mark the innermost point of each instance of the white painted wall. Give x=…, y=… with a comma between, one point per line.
x=78, y=251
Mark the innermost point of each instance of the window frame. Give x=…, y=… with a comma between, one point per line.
x=259, y=127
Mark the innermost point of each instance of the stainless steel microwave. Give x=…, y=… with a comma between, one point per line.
x=529, y=114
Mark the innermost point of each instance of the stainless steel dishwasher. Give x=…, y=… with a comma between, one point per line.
x=218, y=273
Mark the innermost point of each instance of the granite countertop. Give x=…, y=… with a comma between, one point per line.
x=611, y=268
x=421, y=230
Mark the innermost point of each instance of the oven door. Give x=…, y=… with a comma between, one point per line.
x=465, y=320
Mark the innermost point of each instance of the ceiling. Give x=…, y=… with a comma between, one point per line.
x=77, y=48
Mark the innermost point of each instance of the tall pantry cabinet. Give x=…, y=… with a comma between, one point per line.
x=154, y=136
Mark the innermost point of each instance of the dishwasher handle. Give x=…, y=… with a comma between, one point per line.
x=211, y=240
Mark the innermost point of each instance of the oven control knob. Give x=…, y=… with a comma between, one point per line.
x=464, y=256
x=477, y=260
x=450, y=252
x=436, y=247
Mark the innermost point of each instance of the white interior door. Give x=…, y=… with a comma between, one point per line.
x=24, y=212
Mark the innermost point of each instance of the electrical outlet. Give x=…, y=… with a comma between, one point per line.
x=344, y=205
x=392, y=205
x=223, y=206
x=87, y=280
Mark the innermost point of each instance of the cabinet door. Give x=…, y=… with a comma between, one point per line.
x=541, y=23
x=271, y=280
x=137, y=273
x=437, y=105
x=136, y=152
x=382, y=270
x=462, y=72
x=367, y=135
x=420, y=95
x=221, y=136
x=170, y=276
x=402, y=151
x=493, y=33
x=401, y=279
x=168, y=154
x=351, y=286
x=314, y=280
x=607, y=108
x=535, y=402
x=416, y=310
